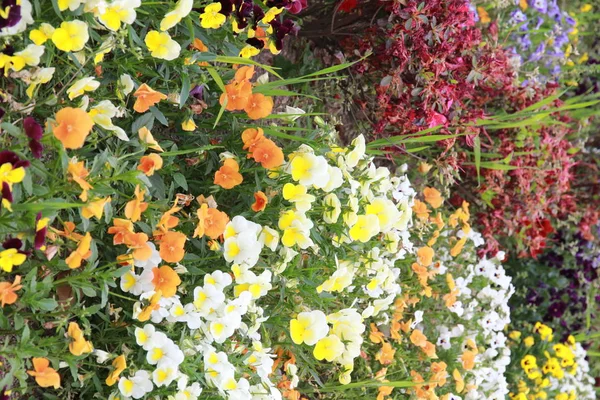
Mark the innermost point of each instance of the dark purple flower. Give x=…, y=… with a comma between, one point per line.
x=34, y=131
x=12, y=243
x=40, y=232
x=11, y=13
x=557, y=309
x=7, y=156
x=197, y=92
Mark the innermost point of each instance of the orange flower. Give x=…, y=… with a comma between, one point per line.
x=433, y=197
x=375, y=336
x=78, y=345
x=45, y=376
x=150, y=163
x=119, y=364
x=259, y=106
x=460, y=382
x=420, y=209
x=166, y=280
x=120, y=228
x=438, y=369
x=74, y=126
x=425, y=256
x=167, y=221
x=386, y=355
x=228, y=175
x=244, y=73
x=211, y=222
x=146, y=97
x=458, y=247
x=429, y=350
x=268, y=154
x=82, y=252
x=260, y=201
x=171, y=246
x=7, y=291
x=417, y=338
x=135, y=208
x=236, y=95
x=138, y=242
x=78, y=174
x=95, y=208
x=69, y=231
x=145, y=313
x=199, y=45
x=384, y=391
x=146, y=137
x=251, y=137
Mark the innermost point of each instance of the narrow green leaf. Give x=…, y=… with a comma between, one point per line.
x=477, y=151
x=185, y=90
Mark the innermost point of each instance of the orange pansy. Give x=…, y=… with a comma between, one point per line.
x=251, y=137
x=433, y=197
x=425, y=256
x=211, y=222
x=145, y=313
x=138, y=242
x=199, y=45
x=146, y=97
x=386, y=355
x=166, y=280
x=44, y=375
x=420, y=209
x=78, y=344
x=228, y=176
x=244, y=73
x=260, y=201
x=135, y=208
x=150, y=163
x=95, y=208
x=73, y=127
x=119, y=364
x=82, y=252
x=417, y=338
x=236, y=95
x=8, y=290
x=78, y=174
x=268, y=154
x=120, y=229
x=146, y=137
x=171, y=246
x=259, y=106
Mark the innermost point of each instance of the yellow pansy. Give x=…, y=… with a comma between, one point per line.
x=211, y=18
x=71, y=36
x=162, y=46
x=10, y=258
x=42, y=34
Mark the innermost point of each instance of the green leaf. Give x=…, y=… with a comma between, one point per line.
x=185, y=90
x=217, y=78
x=146, y=120
x=181, y=181
x=46, y=304
x=159, y=116
x=121, y=271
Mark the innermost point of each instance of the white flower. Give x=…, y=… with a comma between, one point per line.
x=102, y=114
x=101, y=356
x=309, y=169
x=354, y=156
x=136, y=386
x=26, y=19
x=165, y=374
x=137, y=284
x=218, y=279
x=309, y=327
x=207, y=299
x=240, y=224
x=126, y=84
x=269, y=237
x=148, y=337
x=172, y=18
x=81, y=86
x=165, y=353
x=242, y=248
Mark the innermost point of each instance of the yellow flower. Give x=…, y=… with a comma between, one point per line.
x=544, y=331
x=328, y=348
x=271, y=14
x=210, y=18
x=162, y=46
x=182, y=9
x=42, y=34
x=95, y=208
x=70, y=4
x=365, y=228
x=10, y=258
x=71, y=36
x=586, y=8
x=119, y=12
x=188, y=125
x=249, y=51
x=11, y=175
x=119, y=364
x=529, y=341
x=81, y=86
